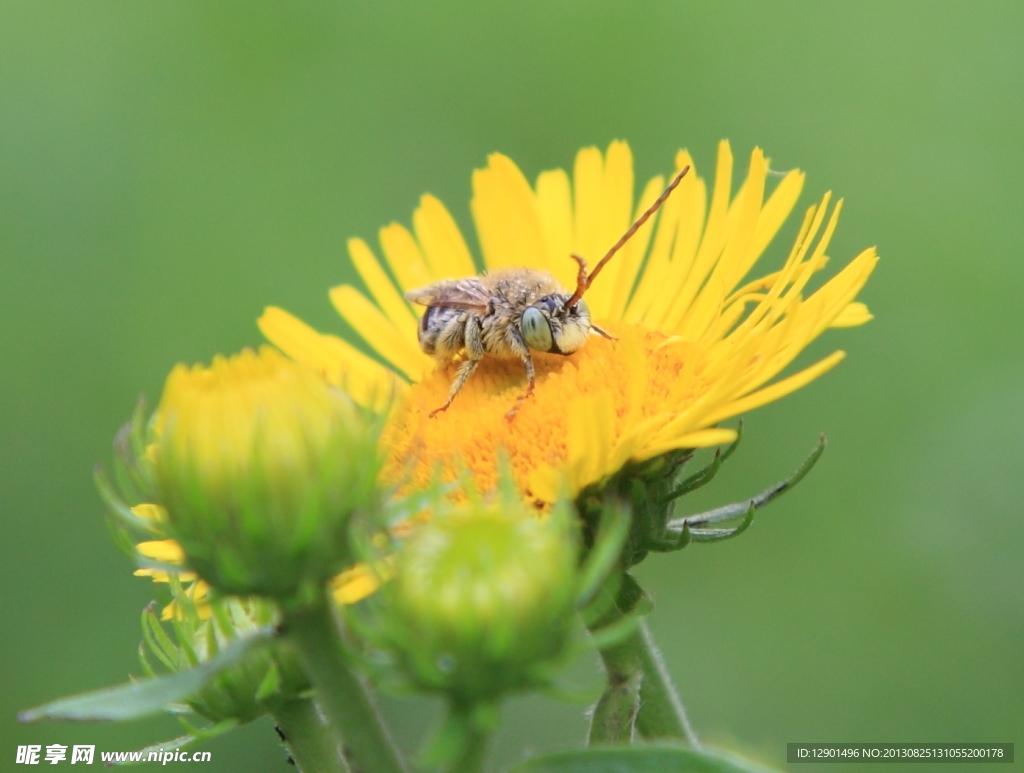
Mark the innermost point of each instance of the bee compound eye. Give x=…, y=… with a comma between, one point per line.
x=536, y=330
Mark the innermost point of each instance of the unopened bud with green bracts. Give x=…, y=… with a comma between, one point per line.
x=260, y=464
x=482, y=602
x=483, y=597
x=263, y=680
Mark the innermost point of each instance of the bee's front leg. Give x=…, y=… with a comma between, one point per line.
x=474, y=349
x=523, y=351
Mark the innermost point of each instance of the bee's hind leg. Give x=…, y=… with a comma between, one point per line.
x=474, y=349
x=461, y=376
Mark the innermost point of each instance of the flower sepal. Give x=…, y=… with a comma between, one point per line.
x=651, y=490
x=249, y=689
x=692, y=527
x=131, y=481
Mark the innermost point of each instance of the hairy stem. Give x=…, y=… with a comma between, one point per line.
x=614, y=716
x=639, y=695
x=309, y=740
x=339, y=693
x=661, y=712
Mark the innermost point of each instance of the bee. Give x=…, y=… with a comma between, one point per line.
x=507, y=313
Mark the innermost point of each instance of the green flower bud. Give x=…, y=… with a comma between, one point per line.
x=482, y=600
x=260, y=464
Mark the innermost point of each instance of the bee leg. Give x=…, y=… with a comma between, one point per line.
x=474, y=348
x=603, y=333
x=461, y=376
x=528, y=362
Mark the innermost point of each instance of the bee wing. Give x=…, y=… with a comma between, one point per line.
x=463, y=293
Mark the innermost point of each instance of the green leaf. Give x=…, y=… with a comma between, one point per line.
x=652, y=758
x=614, y=633
x=631, y=598
x=150, y=695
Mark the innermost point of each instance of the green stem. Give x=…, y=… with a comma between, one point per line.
x=338, y=691
x=474, y=753
x=661, y=712
x=614, y=716
x=639, y=695
x=460, y=743
x=310, y=742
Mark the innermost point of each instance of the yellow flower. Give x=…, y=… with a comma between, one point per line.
x=695, y=345
x=259, y=464
x=246, y=371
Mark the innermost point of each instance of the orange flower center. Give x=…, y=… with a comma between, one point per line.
x=474, y=433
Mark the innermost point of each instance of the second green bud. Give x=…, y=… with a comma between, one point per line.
x=483, y=599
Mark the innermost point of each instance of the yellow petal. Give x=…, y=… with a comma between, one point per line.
x=776, y=210
x=554, y=206
x=734, y=262
x=777, y=390
x=632, y=254
x=694, y=198
x=663, y=236
x=665, y=285
x=615, y=205
x=160, y=575
x=702, y=438
x=505, y=210
x=715, y=233
x=834, y=296
x=441, y=240
x=588, y=203
x=198, y=593
x=340, y=363
x=404, y=258
x=354, y=584
x=853, y=315
x=151, y=512
x=739, y=256
x=796, y=272
x=383, y=291
x=166, y=551
x=379, y=332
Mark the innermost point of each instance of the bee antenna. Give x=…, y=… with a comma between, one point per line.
x=583, y=281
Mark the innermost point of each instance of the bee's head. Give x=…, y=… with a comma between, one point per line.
x=551, y=326
x=560, y=323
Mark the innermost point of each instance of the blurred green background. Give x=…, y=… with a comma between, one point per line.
x=167, y=169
